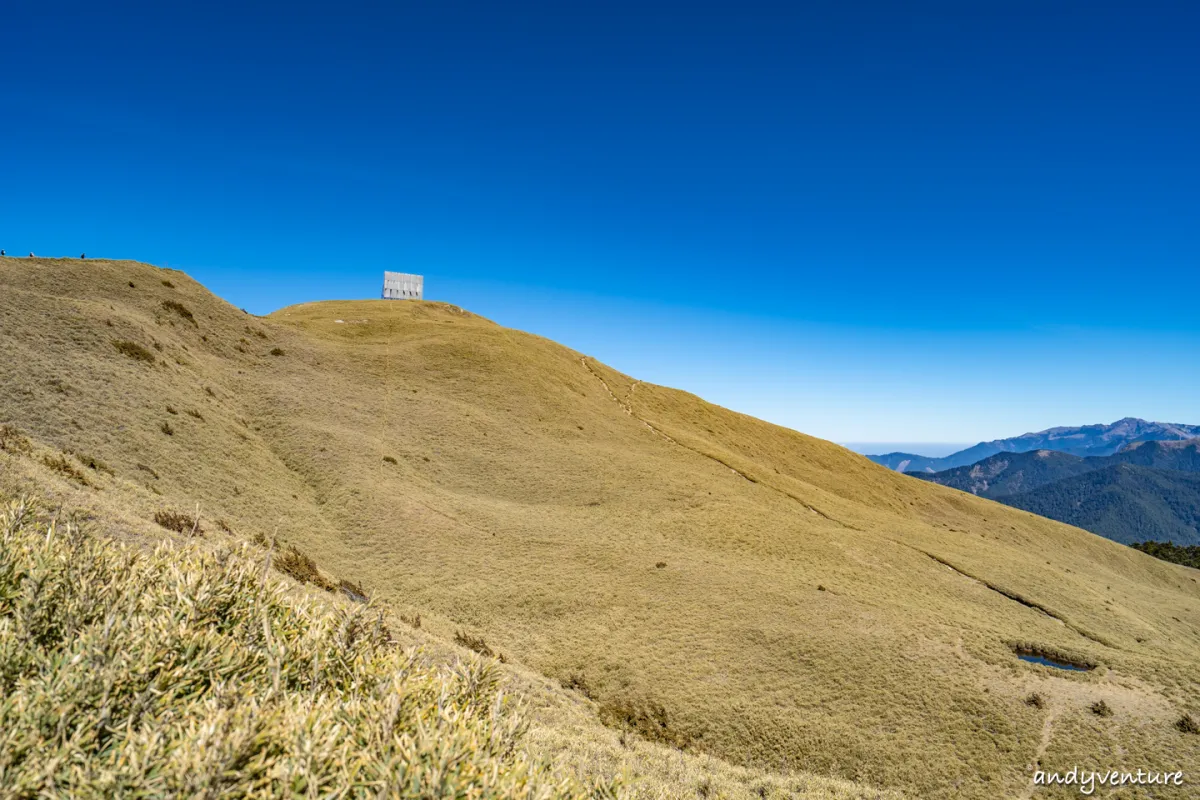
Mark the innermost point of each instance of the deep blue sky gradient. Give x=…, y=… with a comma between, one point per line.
x=868, y=221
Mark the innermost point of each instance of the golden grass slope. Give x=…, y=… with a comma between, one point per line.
x=813, y=612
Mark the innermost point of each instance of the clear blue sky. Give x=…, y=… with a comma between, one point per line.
x=868, y=221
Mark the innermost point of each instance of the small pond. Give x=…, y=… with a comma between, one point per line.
x=1049, y=661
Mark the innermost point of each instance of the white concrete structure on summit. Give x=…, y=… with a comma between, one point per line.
x=402, y=286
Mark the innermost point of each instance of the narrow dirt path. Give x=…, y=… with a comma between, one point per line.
x=1043, y=745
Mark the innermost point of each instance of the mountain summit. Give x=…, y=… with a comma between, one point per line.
x=1085, y=440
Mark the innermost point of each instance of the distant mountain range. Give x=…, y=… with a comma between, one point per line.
x=1086, y=440
x=1148, y=491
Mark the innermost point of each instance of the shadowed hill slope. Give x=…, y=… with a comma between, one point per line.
x=713, y=581
x=1012, y=473
x=1147, y=491
x=1124, y=502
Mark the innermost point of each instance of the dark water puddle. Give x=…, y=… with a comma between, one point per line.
x=1049, y=661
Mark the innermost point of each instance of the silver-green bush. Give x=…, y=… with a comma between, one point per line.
x=194, y=674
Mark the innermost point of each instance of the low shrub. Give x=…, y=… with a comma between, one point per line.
x=389, y=459
x=179, y=522
x=477, y=644
x=1101, y=709
x=645, y=717
x=1035, y=700
x=133, y=350
x=65, y=467
x=276, y=351
x=1187, y=725
x=298, y=565
x=353, y=590
x=12, y=441
x=167, y=429
x=472, y=642
x=93, y=463
x=577, y=682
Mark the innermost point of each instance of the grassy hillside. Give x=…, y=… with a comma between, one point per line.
x=1124, y=502
x=700, y=578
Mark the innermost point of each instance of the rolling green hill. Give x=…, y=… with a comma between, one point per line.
x=777, y=608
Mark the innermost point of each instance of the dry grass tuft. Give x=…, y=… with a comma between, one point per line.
x=1101, y=709
x=276, y=351
x=181, y=310
x=133, y=350
x=1035, y=700
x=1187, y=725
x=186, y=675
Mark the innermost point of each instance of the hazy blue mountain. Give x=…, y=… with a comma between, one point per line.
x=1148, y=491
x=1086, y=440
x=1011, y=473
